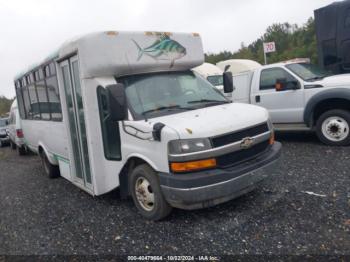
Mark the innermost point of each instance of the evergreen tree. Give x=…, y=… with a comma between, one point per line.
x=291, y=42
x=5, y=105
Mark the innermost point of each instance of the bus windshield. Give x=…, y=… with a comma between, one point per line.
x=216, y=80
x=308, y=72
x=159, y=94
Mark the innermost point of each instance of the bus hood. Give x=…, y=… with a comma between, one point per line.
x=215, y=120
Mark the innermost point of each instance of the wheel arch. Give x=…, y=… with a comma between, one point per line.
x=337, y=98
x=43, y=149
x=131, y=162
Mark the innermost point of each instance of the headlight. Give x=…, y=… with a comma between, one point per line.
x=183, y=146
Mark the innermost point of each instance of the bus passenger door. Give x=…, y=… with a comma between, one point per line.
x=79, y=155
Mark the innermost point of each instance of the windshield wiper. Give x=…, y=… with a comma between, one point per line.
x=315, y=78
x=162, y=108
x=207, y=101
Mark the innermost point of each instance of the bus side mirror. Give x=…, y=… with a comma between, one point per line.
x=117, y=105
x=228, y=82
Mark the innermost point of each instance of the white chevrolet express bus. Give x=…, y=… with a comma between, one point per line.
x=124, y=110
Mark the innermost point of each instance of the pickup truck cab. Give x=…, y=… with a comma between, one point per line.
x=299, y=96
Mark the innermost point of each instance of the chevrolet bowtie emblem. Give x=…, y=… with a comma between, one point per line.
x=247, y=142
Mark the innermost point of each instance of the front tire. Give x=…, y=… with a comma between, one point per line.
x=51, y=170
x=333, y=127
x=146, y=193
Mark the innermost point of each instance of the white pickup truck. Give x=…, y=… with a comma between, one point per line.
x=298, y=96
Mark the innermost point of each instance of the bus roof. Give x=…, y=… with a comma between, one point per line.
x=125, y=53
x=207, y=69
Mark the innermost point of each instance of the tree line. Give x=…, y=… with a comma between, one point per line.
x=5, y=105
x=292, y=41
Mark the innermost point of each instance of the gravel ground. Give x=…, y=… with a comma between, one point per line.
x=43, y=216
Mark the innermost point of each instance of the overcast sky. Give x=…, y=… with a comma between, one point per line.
x=32, y=29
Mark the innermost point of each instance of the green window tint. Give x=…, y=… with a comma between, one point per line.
x=54, y=98
x=81, y=120
x=20, y=101
x=42, y=100
x=110, y=129
x=71, y=118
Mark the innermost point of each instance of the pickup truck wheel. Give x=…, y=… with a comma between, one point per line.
x=146, y=193
x=332, y=127
x=51, y=170
x=13, y=145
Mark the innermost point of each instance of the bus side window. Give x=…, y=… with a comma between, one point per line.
x=54, y=98
x=20, y=101
x=42, y=100
x=110, y=129
x=26, y=100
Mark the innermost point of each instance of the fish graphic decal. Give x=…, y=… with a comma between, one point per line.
x=164, y=48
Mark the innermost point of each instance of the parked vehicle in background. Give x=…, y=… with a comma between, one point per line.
x=333, y=36
x=212, y=73
x=4, y=139
x=299, y=96
x=236, y=66
x=133, y=115
x=15, y=131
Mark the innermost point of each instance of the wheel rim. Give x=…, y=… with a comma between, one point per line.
x=335, y=128
x=144, y=194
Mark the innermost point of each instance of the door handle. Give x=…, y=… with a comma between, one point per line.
x=257, y=99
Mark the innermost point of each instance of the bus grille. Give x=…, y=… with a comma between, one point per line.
x=237, y=157
x=239, y=135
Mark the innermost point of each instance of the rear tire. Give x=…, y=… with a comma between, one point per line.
x=146, y=193
x=21, y=150
x=333, y=127
x=1, y=144
x=13, y=145
x=52, y=171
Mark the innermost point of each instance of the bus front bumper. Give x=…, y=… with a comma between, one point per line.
x=208, y=188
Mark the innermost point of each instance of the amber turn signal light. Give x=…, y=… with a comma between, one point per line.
x=193, y=165
x=272, y=138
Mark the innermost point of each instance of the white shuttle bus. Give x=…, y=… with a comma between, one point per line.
x=124, y=110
